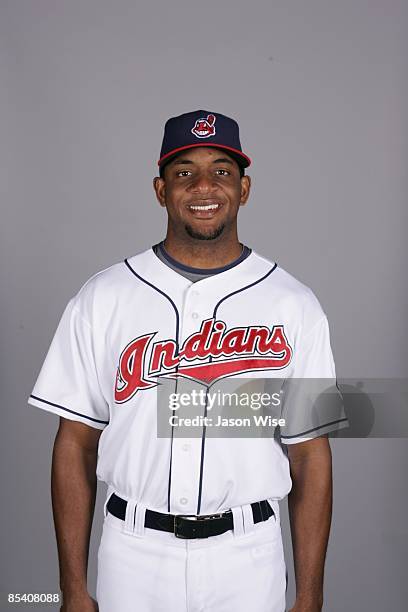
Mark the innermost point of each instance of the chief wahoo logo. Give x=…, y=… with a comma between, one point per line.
x=204, y=127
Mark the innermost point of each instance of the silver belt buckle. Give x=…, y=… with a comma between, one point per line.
x=176, y=523
x=193, y=517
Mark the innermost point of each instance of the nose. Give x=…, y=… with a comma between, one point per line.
x=203, y=183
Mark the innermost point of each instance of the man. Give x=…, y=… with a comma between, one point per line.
x=200, y=307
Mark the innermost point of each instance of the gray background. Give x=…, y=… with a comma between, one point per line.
x=319, y=89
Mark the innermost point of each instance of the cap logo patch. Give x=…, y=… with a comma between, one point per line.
x=204, y=127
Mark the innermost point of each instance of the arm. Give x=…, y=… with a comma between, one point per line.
x=310, y=508
x=73, y=489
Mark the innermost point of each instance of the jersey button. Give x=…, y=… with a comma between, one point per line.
x=195, y=315
x=186, y=447
x=195, y=293
x=183, y=501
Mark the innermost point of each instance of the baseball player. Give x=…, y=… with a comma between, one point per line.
x=191, y=522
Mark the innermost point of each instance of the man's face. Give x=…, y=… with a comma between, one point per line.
x=202, y=191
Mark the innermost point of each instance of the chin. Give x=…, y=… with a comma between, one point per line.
x=210, y=234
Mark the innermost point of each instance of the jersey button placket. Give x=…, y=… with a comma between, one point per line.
x=185, y=474
x=186, y=452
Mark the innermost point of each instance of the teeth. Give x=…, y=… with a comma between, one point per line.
x=205, y=207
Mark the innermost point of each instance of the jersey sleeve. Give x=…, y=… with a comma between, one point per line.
x=312, y=404
x=67, y=384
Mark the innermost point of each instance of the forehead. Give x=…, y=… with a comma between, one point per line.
x=202, y=155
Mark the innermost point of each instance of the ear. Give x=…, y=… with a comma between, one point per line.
x=159, y=187
x=245, y=189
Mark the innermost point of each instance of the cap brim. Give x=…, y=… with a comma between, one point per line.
x=241, y=159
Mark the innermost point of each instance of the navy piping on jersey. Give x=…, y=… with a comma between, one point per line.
x=162, y=293
x=315, y=428
x=210, y=359
x=40, y=399
x=246, y=251
x=177, y=348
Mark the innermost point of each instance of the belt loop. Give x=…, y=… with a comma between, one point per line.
x=248, y=518
x=238, y=519
x=275, y=507
x=129, y=522
x=139, y=520
x=108, y=496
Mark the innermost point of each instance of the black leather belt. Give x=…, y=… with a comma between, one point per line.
x=189, y=525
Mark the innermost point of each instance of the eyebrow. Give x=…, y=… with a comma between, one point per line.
x=221, y=160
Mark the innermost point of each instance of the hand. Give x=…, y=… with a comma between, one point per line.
x=79, y=603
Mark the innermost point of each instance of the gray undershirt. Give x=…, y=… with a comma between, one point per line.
x=195, y=274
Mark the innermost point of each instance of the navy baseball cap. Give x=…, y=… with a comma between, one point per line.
x=201, y=128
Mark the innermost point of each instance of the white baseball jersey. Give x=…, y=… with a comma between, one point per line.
x=139, y=320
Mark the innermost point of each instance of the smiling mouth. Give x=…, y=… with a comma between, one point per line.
x=204, y=206
x=203, y=210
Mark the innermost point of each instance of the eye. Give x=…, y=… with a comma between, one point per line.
x=223, y=172
x=184, y=173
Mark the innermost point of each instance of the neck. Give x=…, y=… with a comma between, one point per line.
x=203, y=253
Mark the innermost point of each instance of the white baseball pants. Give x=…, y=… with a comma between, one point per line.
x=145, y=570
